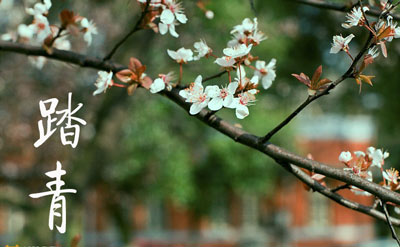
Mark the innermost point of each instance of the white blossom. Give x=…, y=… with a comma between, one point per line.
x=39, y=8
x=247, y=32
x=355, y=18
x=41, y=28
x=89, y=29
x=167, y=23
x=202, y=49
x=161, y=83
x=38, y=62
x=103, y=82
x=25, y=31
x=182, y=55
x=62, y=43
x=177, y=10
x=222, y=97
x=225, y=61
x=247, y=26
x=340, y=43
x=373, y=52
x=395, y=30
x=195, y=94
x=266, y=72
x=242, y=102
x=391, y=175
x=359, y=154
x=377, y=156
x=345, y=157
x=237, y=51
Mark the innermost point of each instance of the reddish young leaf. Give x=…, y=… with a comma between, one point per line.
x=317, y=75
x=303, y=78
x=67, y=18
x=126, y=76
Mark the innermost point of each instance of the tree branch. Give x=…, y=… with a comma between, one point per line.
x=390, y=222
x=302, y=176
x=341, y=187
x=339, y=7
x=207, y=116
x=215, y=76
x=253, y=7
x=134, y=30
x=346, y=75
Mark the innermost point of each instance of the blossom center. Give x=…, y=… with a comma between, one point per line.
x=223, y=93
x=41, y=26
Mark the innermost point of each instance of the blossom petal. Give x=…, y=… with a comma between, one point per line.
x=157, y=86
x=242, y=111
x=212, y=91
x=216, y=104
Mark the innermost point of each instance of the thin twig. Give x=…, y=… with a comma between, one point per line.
x=348, y=74
x=134, y=30
x=214, y=76
x=340, y=7
x=58, y=35
x=253, y=7
x=394, y=235
x=318, y=187
x=341, y=187
x=364, y=14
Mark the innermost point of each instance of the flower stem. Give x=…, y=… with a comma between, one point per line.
x=180, y=73
x=348, y=53
x=118, y=85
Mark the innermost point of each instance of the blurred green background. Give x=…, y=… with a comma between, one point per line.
x=141, y=148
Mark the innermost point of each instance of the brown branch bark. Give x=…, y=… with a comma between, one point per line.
x=302, y=176
x=341, y=187
x=239, y=135
x=215, y=76
x=339, y=7
x=390, y=222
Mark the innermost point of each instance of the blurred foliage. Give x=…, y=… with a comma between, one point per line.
x=143, y=147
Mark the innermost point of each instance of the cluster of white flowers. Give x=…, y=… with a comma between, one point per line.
x=362, y=163
x=383, y=30
x=39, y=32
x=237, y=94
x=247, y=33
x=215, y=97
x=170, y=13
x=39, y=29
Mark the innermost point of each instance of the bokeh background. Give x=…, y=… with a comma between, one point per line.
x=148, y=174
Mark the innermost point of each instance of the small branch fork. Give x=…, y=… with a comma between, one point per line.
x=389, y=222
x=341, y=187
x=348, y=74
x=331, y=194
x=134, y=30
